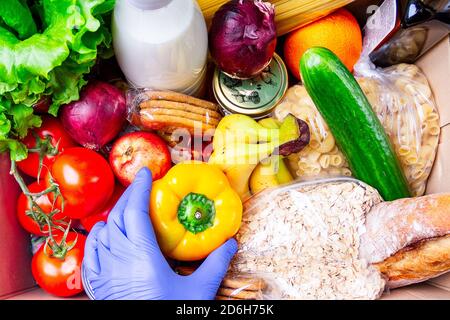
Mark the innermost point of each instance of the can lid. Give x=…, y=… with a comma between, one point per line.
x=255, y=97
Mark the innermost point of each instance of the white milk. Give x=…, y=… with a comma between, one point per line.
x=161, y=44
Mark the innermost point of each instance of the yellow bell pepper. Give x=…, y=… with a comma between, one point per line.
x=194, y=210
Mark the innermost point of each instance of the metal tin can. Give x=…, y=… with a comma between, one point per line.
x=255, y=97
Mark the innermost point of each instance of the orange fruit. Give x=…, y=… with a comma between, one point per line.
x=339, y=32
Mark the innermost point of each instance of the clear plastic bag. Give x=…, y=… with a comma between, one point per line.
x=186, y=123
x=303, y=239
x=170, y=112
x=401, y=97
x=404, y=103
x=238, y=286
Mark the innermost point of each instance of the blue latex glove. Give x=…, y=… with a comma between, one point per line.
x=123, y=260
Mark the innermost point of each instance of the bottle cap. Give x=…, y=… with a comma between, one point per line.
x=255, y=97
x=150, y=4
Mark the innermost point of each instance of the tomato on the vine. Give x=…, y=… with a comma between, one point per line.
x=27, y=221
x=60, y=275
x=85, y=180
x=52, y=134
x=89, y=222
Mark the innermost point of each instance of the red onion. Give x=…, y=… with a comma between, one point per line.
x=97, y=117
x=243, y=38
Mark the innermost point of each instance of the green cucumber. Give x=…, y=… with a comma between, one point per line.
x=355, y=126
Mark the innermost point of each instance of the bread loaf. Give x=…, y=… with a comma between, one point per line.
x=408, y=240
x=424, y=260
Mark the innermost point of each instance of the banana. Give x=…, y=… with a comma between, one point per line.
x=269, y=175
x=237, y=128
x=272, y=173
x=240, y=144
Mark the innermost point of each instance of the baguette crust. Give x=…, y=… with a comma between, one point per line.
x=408, y=240
x=393, y=226
x=424, y=260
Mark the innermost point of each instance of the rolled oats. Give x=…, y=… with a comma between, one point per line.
x=304, y=239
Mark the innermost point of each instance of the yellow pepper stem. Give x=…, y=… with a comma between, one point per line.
x=196, y=212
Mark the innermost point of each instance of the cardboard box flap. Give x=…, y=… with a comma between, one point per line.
x=421, y=291
x=15, y=247
x=438, y=181
x=442, y=282
x=436, y=66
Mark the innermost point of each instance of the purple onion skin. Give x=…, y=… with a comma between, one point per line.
x=242, y=37
x=97, y=117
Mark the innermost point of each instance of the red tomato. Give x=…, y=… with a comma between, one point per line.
x=137, y=150
x=44, y=202
x=89, y=221
x=60, y=277
x=52, y=128
x=85, y=180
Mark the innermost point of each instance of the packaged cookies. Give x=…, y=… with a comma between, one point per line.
x=167, y=112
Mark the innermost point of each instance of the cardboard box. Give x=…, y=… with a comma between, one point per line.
x=15, y=275
x=15, y=261
x=436, y=66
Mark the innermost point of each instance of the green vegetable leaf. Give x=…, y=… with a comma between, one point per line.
x=16, y=15
x=23, y=119
x=5, y=125
x=17, y=150
x=51, y=61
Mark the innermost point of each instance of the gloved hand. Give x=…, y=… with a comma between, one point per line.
x=123, y=260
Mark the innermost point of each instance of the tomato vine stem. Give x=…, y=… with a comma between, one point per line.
x=45, y=219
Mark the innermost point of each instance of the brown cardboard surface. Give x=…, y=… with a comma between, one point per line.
x=15, y=248
x=442, y=282
x=38, y=294
x=421, y=291
x=436, y=65
x=439, y=180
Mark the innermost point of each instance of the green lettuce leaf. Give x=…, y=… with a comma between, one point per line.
x=46, y=57
x=16, y=15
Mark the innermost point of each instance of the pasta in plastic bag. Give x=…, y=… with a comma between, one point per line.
x=304, y=239
x=321, y=158
x=402, y=99
x=404, y=103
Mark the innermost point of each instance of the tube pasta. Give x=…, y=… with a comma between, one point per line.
x=327, y=145
x=337, y=160
x=410, y=119
x=404, y=151
x=402, y=99
x=313, y=156
x=432, y=116
x=322, y=157
x=324, y=161
x=417, y=174
x=411, y=159
x=313, y=170
x=347, y=172
x=314, y=144
x=435, y=130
